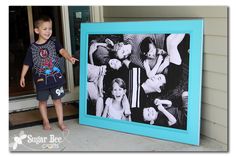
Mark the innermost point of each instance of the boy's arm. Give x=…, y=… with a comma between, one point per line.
x=160, y=102
x=105, y=109
x=126, y=105
x=100, y=79
x=156, y=67
x=93, y=48
x=164, y=64
x=171, y=119
x=150, y=73
x=67, y=56
x=147, y=68
x=23, y=73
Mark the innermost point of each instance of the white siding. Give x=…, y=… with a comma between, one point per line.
x=215, y=68
x=165, y=11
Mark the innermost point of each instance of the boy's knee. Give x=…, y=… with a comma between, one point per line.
x=57, y=101
x=41, y=103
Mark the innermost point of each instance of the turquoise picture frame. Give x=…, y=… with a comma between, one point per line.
x=192, y=27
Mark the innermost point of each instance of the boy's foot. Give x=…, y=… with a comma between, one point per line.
x=62, y=126
x=46, y=126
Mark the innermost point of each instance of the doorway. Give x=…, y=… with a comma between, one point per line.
x=66, y=25
x=20, y=36
x=19, y=40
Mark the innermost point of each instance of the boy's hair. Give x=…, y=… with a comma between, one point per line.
x=117, y=46
x=144, y=45
x=143, y=118
x=120, y=82
x=40, y=20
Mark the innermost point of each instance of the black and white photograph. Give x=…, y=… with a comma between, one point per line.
x=139, y=78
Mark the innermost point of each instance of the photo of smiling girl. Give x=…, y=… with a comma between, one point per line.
x=116, y=105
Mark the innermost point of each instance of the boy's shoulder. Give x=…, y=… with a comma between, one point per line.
x=33, y=44
x=108, y=101
x=53, y=39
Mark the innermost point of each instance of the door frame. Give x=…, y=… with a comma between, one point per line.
x=72, y=94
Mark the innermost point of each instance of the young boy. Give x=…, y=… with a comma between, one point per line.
x=43, y=58
x=168, y=115
x=167, y=119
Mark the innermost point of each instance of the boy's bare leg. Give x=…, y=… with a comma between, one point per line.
x=173, y=41
x=99, y=106
x=59, y=111
x=43, y=111
x=126, y=106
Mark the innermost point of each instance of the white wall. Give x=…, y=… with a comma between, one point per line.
x=214, y=116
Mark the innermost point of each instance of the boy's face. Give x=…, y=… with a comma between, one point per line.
x=123, y=50
x=155, y=82
x=150, y=114
x=115, y=64
x=44, y=30
x=117, y=92
x=152, y=51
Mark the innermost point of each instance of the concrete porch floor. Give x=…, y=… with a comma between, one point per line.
x=85, y=138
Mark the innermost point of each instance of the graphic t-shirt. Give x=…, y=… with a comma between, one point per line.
x=46, y=63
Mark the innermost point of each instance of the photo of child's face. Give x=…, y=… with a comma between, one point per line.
x=117, y=92
x=152, y=51
x=115, y=64
x=156, y=82
x=150, y=114
x=124, y=51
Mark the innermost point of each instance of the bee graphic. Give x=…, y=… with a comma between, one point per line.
x=18, y=140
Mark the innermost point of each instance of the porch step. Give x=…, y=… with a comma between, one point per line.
x=33, y=117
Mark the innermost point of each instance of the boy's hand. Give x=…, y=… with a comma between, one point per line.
x=157, y=102
x=161, y=52
x=161, y=108
x=160, y=58
x=22, y=82
x=73, y=60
